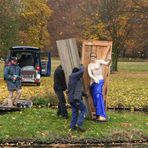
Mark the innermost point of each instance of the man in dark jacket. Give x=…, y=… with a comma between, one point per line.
x=12, y=74
x=59, y=88
x=75, y=92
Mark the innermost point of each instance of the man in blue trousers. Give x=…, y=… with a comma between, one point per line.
x=75, y=92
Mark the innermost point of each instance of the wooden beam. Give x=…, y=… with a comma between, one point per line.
x=69, y=56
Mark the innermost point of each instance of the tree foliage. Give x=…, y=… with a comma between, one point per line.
x=107, y=20
x=8, y=24
x=34, y=15
x=29, y=22
x=140, y=34
x=122, y=21
x=64, y=22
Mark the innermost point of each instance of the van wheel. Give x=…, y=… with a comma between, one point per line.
x=38, y=84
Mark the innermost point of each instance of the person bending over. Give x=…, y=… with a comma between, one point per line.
x=75, y=92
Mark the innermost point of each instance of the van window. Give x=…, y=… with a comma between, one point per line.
x=26, y=58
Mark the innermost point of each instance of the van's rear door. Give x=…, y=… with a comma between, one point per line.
x=45, y=63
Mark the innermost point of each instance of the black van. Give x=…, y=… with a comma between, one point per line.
x=32, y=61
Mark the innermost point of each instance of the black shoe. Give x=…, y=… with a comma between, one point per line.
x=74, y=128
x=65, y=116
x=81, y=129
x=20, y=105
x=59, y=114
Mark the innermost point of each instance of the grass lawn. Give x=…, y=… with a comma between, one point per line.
x=128, y=88
x=1, y=69
x=43, y=125
x=133, y=66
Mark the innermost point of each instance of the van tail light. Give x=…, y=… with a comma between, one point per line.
x=38, y=68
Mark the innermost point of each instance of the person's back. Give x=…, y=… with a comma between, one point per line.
x=75, y=78
x=78, y=91
x=59, y=79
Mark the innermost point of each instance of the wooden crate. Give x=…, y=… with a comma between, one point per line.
x=103, y=50
x=69, y=56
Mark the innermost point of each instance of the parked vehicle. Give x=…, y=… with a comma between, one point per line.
x=45, y=63
x=32, y=63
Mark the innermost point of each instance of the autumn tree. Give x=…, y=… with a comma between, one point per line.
x=8, y=24
x=107, y=20
x=34, y=15
x=140, y=34
x=64, y=22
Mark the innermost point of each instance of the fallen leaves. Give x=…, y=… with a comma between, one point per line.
x=31, y=91
x=128, y=90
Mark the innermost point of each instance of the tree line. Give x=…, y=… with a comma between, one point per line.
x=42, y=22
x=24, y=22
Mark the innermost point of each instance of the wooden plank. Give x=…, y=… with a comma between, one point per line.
x=4, y=110
x=103, y=50
x=69, y=56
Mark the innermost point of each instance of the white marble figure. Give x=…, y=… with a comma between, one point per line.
x=95, y=71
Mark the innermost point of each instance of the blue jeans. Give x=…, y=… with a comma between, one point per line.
x=79, y=112
x=96, y=92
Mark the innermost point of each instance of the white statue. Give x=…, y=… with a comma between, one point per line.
x=95, y=71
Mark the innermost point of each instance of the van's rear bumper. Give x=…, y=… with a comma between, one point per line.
x=31, y=80
x=31, y=77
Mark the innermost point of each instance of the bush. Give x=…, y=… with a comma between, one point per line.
x=40, y=101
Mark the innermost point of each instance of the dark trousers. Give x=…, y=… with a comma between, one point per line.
x=79, y=112
x=62, y=110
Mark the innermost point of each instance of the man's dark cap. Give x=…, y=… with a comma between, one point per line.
x=13, y=58
x=75, y=69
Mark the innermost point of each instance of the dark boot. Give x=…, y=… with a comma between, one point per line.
x=81, y=129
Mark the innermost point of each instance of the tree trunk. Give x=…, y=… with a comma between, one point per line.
x=115, y=59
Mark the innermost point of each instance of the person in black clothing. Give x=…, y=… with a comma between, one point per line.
x=59, y=88
x=75, y=93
